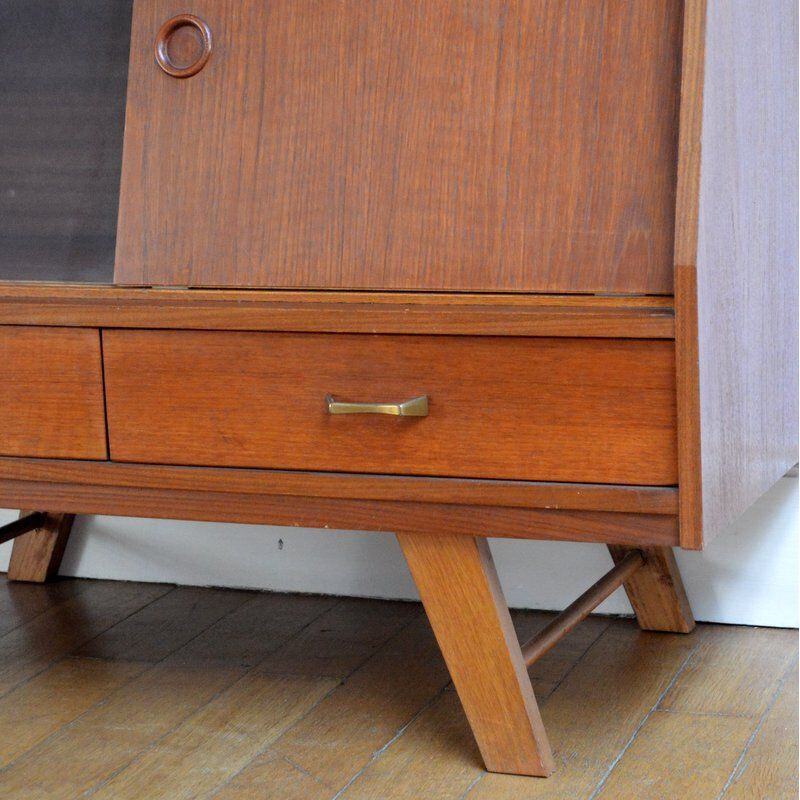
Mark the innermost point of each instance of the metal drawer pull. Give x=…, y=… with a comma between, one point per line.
x=416, y=407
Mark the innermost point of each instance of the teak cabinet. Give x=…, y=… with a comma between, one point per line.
x=449, y=269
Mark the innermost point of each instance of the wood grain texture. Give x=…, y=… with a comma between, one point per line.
x=769, y=766
x=522, y=146
x=267, y=621
x=62, y=107
x=340, y=640
x=690, y=130
x=519, y=494
x=550, y=670
x=736, y=259
x=409, y=767
x=37, y=555
x=80, y=723
x=712, y=709
x=340, y=735
x=434, y=755
x=53, y=699
x=215, y=741
x=338, y=312
x=80, y=757
x=27, y=521
x=28, y=650
x=166, y=624
x=459, y=588
x=271, y=773
x=590, y=717
x=687, y=364
x=343, y=514
x=109, y=736
x=51, y=393
x=685, y=274
x=197, y=756
x=651, y=760
x=656, y=591
x=499, y=407
x=734, y=673
x=22, y=602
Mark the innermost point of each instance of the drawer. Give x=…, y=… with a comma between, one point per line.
x=543, y=409
x=51, y=393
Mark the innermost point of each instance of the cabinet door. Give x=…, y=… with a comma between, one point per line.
x=483, y=145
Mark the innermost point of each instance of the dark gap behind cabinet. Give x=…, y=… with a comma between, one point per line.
x=63, y=73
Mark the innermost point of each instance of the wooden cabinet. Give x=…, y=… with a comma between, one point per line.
x=560, y=237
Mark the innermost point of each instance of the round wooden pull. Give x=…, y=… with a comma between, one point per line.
x=202, y=41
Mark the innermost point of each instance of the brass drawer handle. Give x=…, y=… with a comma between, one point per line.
x=416, y=407
x=162, y=45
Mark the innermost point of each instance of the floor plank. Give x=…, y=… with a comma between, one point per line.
x=768, y=769
x=181, y=693
x=164, y=625
x=80, y=756
x=550, y=670
x=342, y=639
x=678, y=755
x=595, y=711
x=218, y=740
x=203, y=752
x=453, y=766
x=21, y=602
x=30, y=648
x=272, y=775
x=410, y=768
x=254, y=630
x=733, y=671
x=339, y=736
x=55, y=697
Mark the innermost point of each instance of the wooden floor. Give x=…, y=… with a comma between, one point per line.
x=124, y=690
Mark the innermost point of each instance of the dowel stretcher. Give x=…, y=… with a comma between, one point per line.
x=29, y=522
x=552, y=633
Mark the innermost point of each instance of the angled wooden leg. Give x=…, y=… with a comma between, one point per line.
x=656, y=591
x=36, y=556
x=458, y=584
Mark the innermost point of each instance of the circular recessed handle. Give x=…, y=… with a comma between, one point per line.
x=164, y=35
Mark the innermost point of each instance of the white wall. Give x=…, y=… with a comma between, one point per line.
x=748, y=575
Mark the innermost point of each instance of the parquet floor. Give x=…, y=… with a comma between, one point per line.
x=124, y=690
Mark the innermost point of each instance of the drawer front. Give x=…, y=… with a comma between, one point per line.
x=51, y=393
x=485, y=145
x=582, y=410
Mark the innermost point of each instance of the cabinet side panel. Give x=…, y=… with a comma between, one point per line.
x=745, y=262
